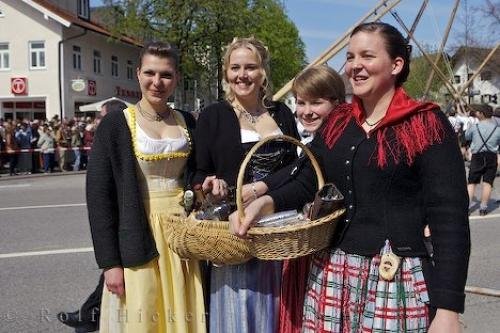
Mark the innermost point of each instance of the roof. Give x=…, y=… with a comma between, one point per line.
x=67, y=19
x=477, y=56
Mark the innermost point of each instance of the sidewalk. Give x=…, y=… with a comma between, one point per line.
x=5, y=176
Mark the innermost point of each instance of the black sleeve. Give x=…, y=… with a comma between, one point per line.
x=442, y=171
x=102, y=198
x=301, y=187
x=190, y=170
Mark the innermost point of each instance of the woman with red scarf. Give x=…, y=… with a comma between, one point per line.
x=398, y=165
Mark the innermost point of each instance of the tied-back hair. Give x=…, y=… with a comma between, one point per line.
x=261, y=52
x=485, y=109
x=161, y=50
x=319, y=81
x=395, y=44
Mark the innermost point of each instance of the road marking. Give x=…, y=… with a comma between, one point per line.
x=48, y=252
x=14, y=186
x=488, y=216
x=46, y=206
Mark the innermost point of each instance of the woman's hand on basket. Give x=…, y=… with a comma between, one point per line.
x=216, y=186
x=252, y=191
x=257, y=208
x=114, y=281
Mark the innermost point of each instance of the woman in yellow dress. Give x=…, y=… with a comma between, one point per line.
x=141, y=159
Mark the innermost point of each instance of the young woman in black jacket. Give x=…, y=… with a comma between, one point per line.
x=141, y=159
x=243, y=298
x=398, y=165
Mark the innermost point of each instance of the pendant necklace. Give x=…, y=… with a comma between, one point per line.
x=156, y=117
x=252, y=119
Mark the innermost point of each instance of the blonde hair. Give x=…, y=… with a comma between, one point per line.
x=319, y=82
x=261, y=53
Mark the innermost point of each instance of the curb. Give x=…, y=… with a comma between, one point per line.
x=6, y=177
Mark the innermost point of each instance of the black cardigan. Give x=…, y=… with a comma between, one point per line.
x=218, y=137
x=118, y=221
x=395, y=203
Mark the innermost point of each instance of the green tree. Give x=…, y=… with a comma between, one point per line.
x=201, y=29
x=420, y=70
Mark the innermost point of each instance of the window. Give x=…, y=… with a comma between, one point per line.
x=469, y=75
x=114, y=66
x=37, y=55
x=486, y=76
x=130, y=70
x=4, y=56
x=97, y=62
x=456, y=79
x=83, y=8
x=77, y=57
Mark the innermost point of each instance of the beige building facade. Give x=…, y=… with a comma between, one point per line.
x=53, y=59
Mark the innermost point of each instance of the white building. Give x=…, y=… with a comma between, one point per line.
x=53, y=59
x=485, y=88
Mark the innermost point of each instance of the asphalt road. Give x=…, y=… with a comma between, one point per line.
x=47, y=264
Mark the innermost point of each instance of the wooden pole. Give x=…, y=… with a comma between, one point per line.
x=482, y=291
x=485, y=61
x=419, y=16
x=446, y=82
x=441, y=47
x=340, y=43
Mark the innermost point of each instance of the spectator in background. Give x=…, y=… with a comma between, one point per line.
x=112, y=106
x=35, y=136
x=485, y=138
x=76, y=145
x=11, y=148
x=23, y=139
x=47, y=145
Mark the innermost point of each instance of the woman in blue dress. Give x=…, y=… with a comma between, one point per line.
x=243, y=298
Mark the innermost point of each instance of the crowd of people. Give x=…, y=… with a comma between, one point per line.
x=33, y=146
x=395, y=160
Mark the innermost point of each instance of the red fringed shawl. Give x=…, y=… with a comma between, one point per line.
x=415, y=127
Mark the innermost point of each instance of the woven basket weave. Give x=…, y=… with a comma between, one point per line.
x=211, y=240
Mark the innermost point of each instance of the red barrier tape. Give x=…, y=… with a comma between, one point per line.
x=40, y=150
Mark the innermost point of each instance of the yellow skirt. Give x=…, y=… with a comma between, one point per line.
x=164, y=295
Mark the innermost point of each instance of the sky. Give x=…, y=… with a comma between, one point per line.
x=322, y=22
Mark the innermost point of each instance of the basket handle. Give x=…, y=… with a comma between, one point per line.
x=279, y=137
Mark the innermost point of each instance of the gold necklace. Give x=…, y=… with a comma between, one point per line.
x=156, y=117
x=252, y=119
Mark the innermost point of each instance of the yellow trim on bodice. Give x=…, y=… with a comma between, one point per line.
x=179, y=119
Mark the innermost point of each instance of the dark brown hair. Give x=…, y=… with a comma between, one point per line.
x=395, y=44
x=161, y=50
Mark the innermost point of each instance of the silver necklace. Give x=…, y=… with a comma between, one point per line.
x=156, y=117
x=252, y=119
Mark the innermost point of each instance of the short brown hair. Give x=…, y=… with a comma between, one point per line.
x=319, y=82
x=485, y=109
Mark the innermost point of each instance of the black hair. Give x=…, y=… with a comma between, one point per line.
x=395, y=44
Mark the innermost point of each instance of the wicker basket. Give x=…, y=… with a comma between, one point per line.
x=275, y=243
x=211, y=240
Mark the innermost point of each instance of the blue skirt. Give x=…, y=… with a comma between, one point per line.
x=245, y=298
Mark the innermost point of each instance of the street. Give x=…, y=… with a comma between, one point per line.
x=47, y=264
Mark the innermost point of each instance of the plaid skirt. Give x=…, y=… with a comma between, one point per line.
x=345, y=294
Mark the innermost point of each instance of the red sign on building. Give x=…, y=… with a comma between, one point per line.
x=19, y=85
x=92, y=89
